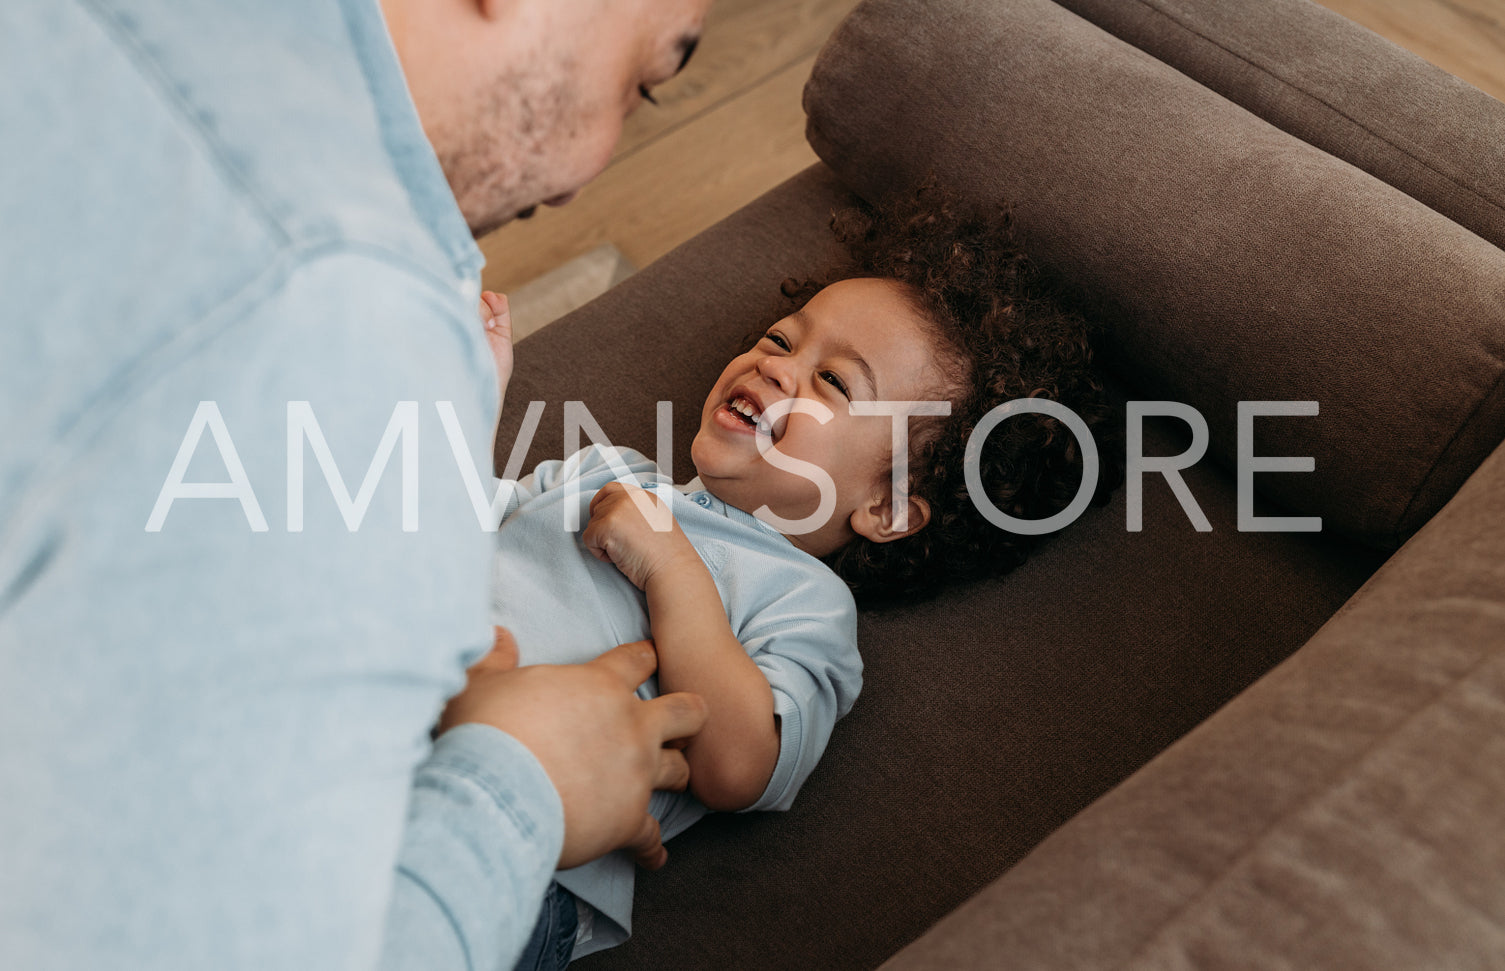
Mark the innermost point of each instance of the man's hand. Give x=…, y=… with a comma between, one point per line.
x=603, y=747
x=618, y=533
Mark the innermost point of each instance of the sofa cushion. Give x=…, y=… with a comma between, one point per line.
x=989, y=716
x=1234, y=261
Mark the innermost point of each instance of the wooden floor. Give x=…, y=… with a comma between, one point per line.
x=1466, y=38
x=731, y=126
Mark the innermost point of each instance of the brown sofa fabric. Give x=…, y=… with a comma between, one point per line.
x=990, y=716
x=1343, y=812
x=1234, y=261
x=1338, y=86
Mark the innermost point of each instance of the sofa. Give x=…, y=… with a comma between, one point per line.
x=1250, y=745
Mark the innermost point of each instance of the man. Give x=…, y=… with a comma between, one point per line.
x=236, y=236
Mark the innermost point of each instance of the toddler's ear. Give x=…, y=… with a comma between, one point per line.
x=879, y=521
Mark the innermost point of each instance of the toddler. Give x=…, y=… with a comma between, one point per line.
x=747, y=588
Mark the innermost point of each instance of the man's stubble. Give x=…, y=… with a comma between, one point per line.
x=517, y=131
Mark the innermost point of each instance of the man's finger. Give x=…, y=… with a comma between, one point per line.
x=678, y=715
x=634, y=663
x=647, y=847
x=673, y=771
x=503, y=653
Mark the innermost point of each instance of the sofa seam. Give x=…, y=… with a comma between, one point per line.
x=1398, y=535
x=1498, y=206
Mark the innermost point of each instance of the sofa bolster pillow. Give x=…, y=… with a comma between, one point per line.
x=1336, y=85
x=1231, y=261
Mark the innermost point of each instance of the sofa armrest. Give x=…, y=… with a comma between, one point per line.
x=1342, y=812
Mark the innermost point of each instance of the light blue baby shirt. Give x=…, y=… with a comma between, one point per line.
x=214, y=743
x=794, y=616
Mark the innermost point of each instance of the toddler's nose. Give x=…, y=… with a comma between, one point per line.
x=779, y=370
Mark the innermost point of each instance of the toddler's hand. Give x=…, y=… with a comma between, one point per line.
x=496, y=317
x=619, y=533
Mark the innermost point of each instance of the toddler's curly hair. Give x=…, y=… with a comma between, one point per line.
x=999, y=335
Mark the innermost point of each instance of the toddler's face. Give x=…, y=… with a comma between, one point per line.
x=857, y=340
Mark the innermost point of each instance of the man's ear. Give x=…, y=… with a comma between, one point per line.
x=875, y=520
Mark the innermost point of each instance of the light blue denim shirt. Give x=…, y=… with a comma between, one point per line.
x=795, y=617
x=214, y=736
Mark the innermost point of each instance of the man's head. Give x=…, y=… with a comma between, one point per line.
x=523, y=100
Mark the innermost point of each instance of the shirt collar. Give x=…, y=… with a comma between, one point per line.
x=402, y=134
x=695, y=491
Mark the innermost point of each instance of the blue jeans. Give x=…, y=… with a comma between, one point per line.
x=553, y=937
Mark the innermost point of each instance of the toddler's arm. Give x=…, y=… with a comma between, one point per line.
x=733, y=757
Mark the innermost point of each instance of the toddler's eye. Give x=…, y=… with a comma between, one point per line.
x=777, y=339
x=834, y=380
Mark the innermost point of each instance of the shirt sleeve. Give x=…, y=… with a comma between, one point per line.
x=805, y=643
x=217, y=732
x=477, y=781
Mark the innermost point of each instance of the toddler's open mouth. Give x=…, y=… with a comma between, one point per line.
x=741, y=412
x=745, y=409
